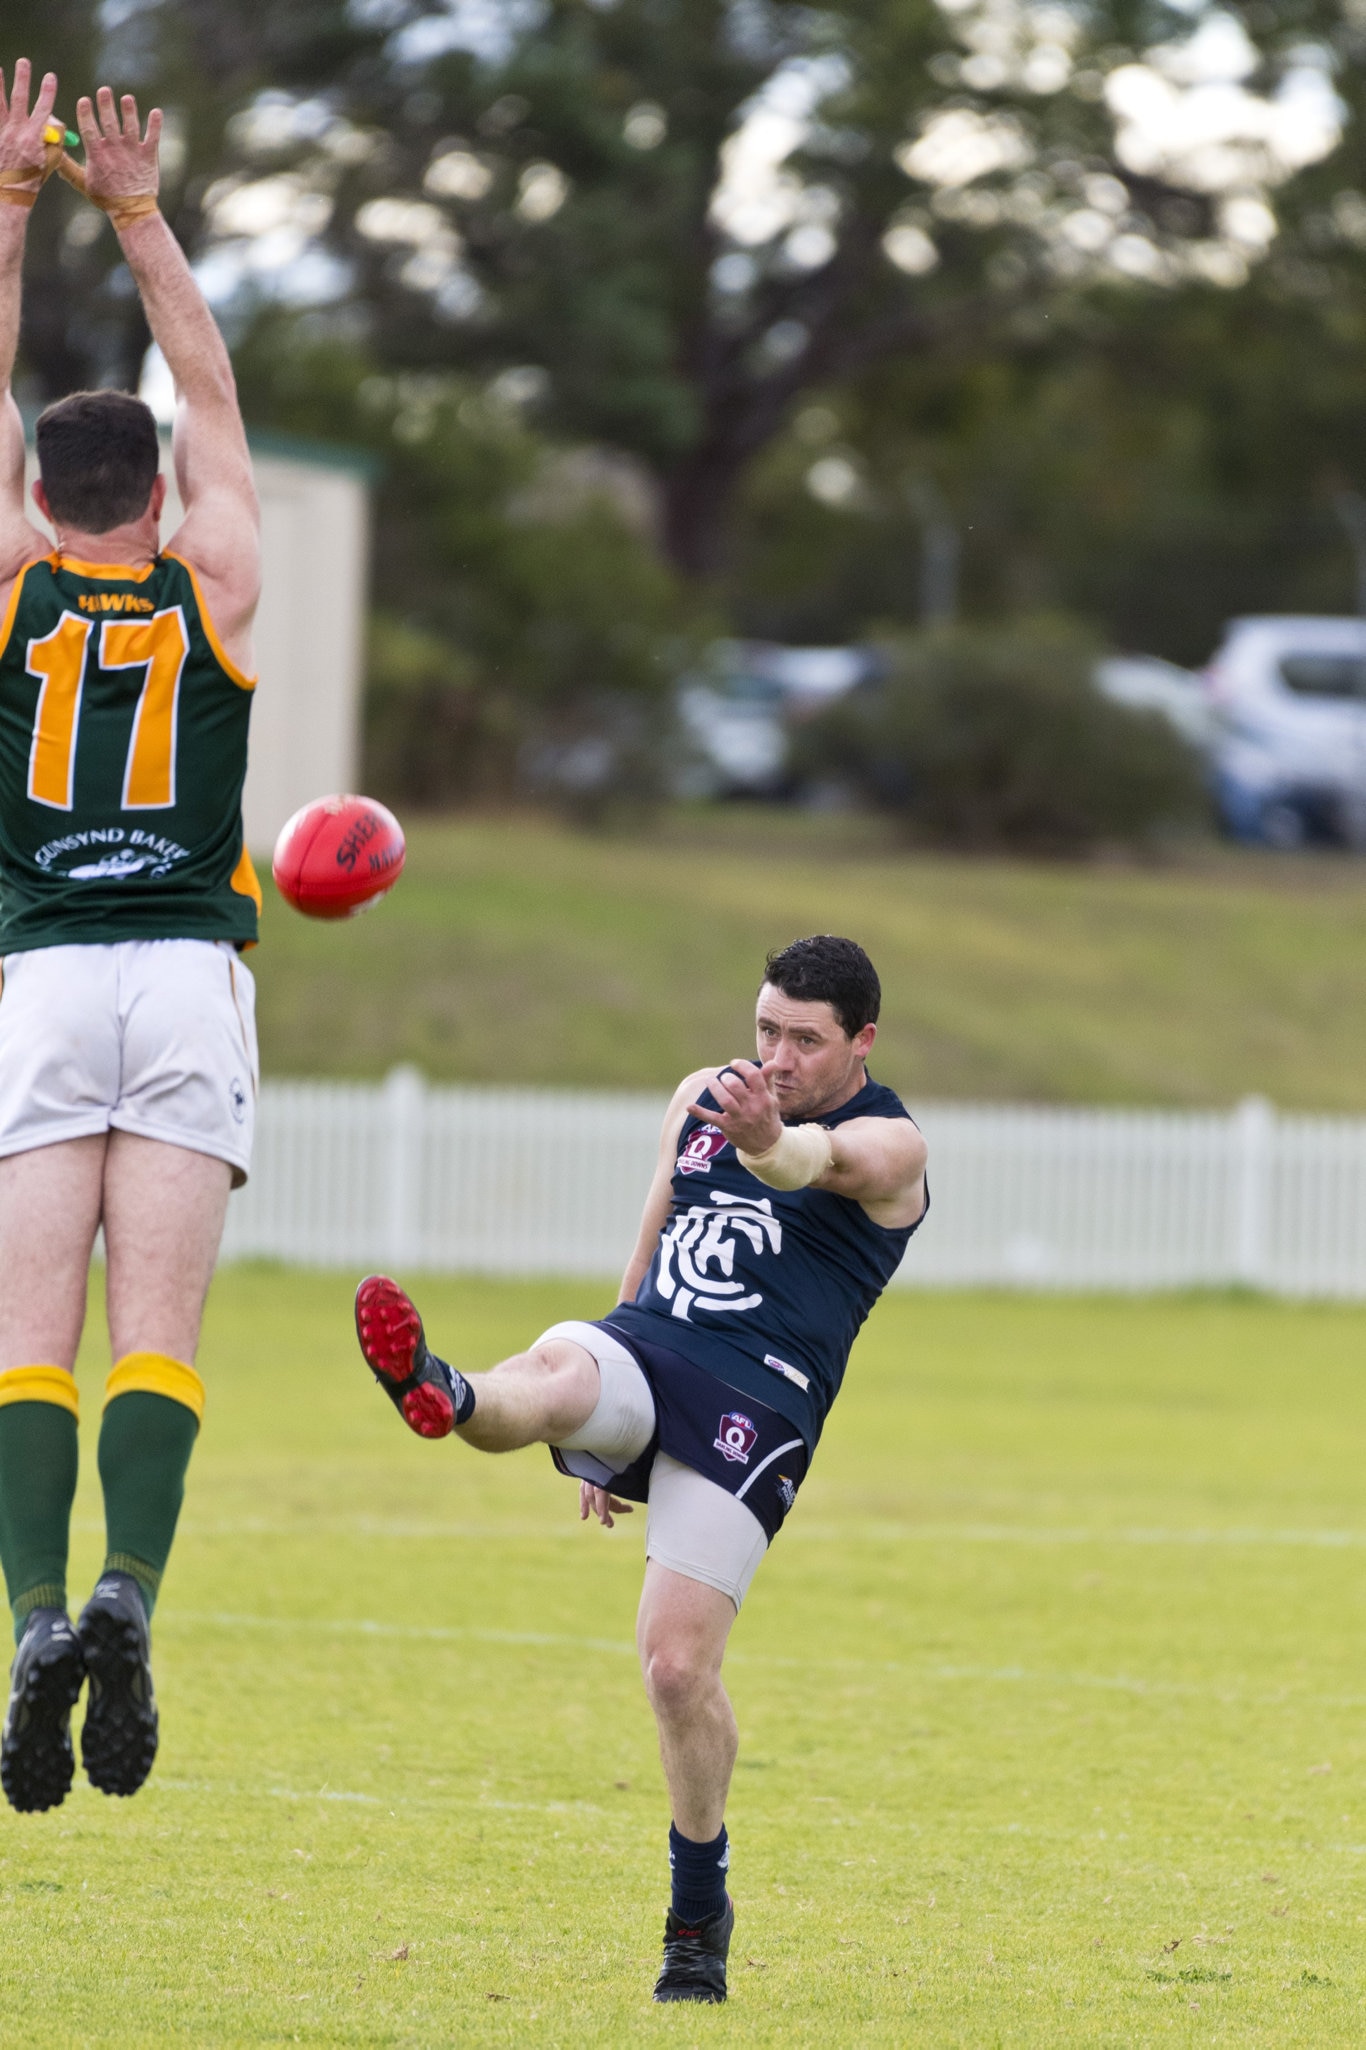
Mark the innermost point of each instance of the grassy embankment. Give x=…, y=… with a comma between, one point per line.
x=513, y=951
x=1050, y=1696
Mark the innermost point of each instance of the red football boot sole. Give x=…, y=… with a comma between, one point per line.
x=390, y=1333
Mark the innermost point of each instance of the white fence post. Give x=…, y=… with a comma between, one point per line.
x=404, y=1091
x=1253, y=1129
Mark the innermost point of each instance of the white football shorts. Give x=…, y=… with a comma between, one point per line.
x=156, y=1037
x=692, y=1526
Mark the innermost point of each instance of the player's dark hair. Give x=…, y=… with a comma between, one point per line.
x=828, y=970
x=99, y=455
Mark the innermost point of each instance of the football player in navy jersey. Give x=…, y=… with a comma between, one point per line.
x=786, y=1191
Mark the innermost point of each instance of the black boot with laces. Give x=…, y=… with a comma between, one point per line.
x=695, y=1957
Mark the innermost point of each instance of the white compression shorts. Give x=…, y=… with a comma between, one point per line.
x=155, y=1037
x=692, y=1526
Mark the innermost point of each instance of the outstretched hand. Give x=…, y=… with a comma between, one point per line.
x=747, y=1110
x=120, y=161
x=23, y=146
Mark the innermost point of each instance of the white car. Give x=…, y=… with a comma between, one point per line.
x=1148, y=684
x=1289, y=753
x=736, y=712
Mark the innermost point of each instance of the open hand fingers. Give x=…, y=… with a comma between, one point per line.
x=108, y=116
x=18, y=99
x=87, y=127
x=152, y=141
x=47, y=98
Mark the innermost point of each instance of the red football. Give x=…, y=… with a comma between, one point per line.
x=337, y=855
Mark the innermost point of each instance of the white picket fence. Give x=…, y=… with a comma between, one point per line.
x=531, y=1181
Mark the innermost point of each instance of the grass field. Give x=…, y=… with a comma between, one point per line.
x=1052, y=1706
x=513, y=951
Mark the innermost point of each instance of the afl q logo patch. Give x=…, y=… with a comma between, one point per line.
x=736, y=1437
x=237, y=1097
x=701, y=1150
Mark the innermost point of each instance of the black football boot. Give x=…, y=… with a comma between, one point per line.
x=119, y=1740
x=423, y=1389
x=36, y=1762
x=695, y=1957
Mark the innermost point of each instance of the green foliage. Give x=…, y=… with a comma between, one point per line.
x=555, y=204
x=1146, y=448
x=997, y=737
x=524, y=620
x=1157, y=463
x=1036, y=1691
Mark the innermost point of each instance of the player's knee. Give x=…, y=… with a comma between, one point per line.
x=675, y=1678
x=569, y=1378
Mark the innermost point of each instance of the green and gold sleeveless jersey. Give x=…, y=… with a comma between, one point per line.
x=123, y=749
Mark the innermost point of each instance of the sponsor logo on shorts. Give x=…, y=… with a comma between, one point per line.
x=736, y=1437
x=787, y=1490
x=237, y=1097
x=701, y=1150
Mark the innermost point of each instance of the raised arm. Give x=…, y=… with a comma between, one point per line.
x=23, y=166
x=220, y=536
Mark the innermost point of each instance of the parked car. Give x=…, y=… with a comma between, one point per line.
x=1288, y=757
x=738, y=709
x=1148, y=684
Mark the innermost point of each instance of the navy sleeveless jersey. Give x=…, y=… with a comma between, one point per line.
x=765, y=1288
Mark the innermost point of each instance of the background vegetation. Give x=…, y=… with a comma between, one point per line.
x=622, y=397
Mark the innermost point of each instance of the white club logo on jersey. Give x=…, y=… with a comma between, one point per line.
x=697, y=1253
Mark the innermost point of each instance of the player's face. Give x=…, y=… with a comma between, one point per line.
x=815, y=1065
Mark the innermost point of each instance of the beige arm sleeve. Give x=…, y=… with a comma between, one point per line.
x=803, y=1153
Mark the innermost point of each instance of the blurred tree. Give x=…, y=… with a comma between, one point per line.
x=205, y=63
x=527, y=629
x=692, y=230
x=982, y=738
x=681, y=215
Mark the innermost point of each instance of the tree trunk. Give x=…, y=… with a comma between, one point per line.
x=698, y=494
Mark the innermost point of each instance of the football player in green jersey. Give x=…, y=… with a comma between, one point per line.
x=127, y=1041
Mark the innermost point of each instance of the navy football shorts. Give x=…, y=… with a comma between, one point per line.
x=743, y=1446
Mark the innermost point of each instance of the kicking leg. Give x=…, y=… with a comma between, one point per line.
x=49, y=1213
x=681, y=1635
x=540, y=1397
x=164, y=1207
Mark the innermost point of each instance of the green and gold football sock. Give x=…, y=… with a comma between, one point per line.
x=38, y=1412
x=153, y=1407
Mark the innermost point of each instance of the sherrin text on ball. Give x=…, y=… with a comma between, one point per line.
x=337, y=856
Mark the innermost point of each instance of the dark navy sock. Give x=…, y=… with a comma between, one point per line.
x=699, y=1875
x=462, y=1395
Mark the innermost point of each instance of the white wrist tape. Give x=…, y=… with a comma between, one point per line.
x=801, y=1156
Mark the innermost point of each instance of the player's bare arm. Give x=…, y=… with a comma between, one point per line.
x=878, y=1163
x=23, y=166
x=655, y=1214
x=220, y=535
